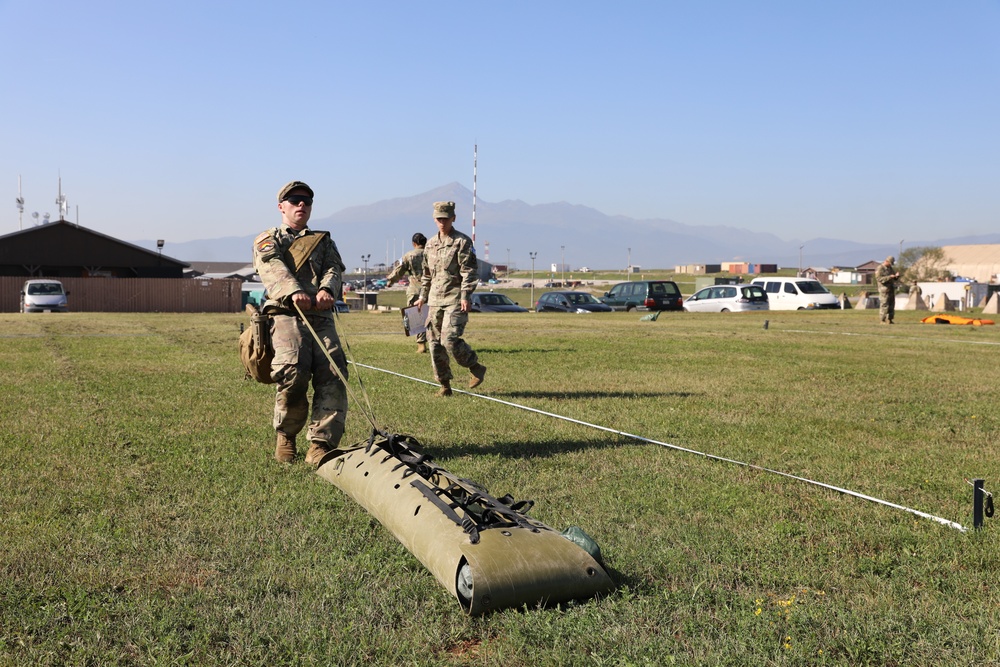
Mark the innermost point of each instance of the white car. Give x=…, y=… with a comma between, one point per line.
x=39, y=296
x=727, y=299
x=796, y=294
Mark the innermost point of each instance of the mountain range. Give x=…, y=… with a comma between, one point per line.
x=557, y=232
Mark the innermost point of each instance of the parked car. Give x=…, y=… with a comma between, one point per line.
x=491, y=302
x=570, y=302
x=796, y=293
x=38, y=296
x=727, y=298
x=644, y=295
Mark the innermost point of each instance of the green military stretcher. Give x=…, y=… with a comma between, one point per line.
x=484, y=550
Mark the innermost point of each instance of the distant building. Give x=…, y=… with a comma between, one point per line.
x=735, y=268
x=867, y=270
x=977, y=262
x=240, y=270
x=62, y=249
x=104, y=274
x=820, y=273
x=848, y=275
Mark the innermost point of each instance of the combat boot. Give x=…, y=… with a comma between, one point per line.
x=445, y=389
x=317, y=450
x=421, y=348
x=478, y=374
x=284, y=450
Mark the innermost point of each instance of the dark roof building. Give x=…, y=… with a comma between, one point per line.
x=240, y=270
x=62, y=249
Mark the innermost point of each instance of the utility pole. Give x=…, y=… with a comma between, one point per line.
x=364, y=297
x=628, y=269
x=533, y=255
x=800, y=259
x=563, y=266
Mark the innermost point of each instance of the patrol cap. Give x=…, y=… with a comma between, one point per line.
x=444, y=209
x=292, y=185
x=890, y=259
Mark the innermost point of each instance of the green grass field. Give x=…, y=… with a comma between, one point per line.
x=146, y=523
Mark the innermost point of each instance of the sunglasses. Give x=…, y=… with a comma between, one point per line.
x=295, y=200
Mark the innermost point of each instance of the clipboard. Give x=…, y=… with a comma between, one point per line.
x=415, y=320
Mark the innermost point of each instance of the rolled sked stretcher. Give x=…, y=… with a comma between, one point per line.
x=485, y=551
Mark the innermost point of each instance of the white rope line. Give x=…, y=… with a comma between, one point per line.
x=944, y=522
x=369, y=413
x=856, y=333
x=984, y=491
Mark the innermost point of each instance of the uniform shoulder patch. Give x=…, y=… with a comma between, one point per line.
x=264, y=243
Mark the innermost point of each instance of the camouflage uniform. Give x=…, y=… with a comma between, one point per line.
x=297, y=356
x=450, y=275
x=886, y=280
x=412, y=265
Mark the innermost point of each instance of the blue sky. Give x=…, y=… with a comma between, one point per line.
x=870, y=120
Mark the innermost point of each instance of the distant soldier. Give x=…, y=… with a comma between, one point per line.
x=298, y=358
x=886, y=277
x=449, y=279
x=412, y=265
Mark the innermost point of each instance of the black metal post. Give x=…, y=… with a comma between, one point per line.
x=977, y=503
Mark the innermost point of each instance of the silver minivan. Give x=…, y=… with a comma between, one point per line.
x=727, y=299
x=39, y=296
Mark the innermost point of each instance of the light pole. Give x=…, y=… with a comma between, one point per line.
x=800, y=259
x=900, y=250
x=628, y=269
x=365, y=258
x=563, y=267
x=533, y=255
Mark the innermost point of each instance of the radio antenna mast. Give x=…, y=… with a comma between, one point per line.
x=475, y=159
x=61, y=201
x=20, y=205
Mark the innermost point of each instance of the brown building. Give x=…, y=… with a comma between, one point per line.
x=103, y=274
x=62, y=249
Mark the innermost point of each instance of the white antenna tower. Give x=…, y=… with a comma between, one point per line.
x=20, y=204
x=61, y=202
x=475, y=160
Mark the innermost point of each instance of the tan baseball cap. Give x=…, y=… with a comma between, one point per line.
x=293, y=185
x=444, y=209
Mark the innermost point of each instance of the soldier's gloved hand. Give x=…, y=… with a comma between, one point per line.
x=324, y=300
x=302, y=300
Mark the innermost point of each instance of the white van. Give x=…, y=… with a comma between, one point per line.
x=796, y=293
x=39, y=296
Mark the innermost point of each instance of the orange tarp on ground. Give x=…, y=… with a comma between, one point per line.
x=955, y=319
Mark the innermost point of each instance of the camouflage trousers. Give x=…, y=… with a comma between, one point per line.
x=445, y=327
x=298, y=358
x=411, y=300
x=886, y=305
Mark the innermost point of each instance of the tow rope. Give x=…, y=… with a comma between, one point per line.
x=925, y=515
